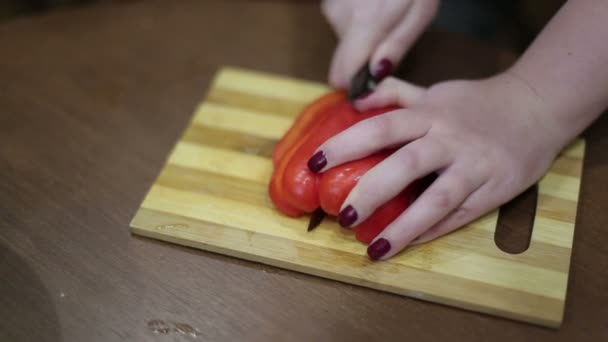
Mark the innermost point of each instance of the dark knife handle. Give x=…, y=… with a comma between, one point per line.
x=362, y=83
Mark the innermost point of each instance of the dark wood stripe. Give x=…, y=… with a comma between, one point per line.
x=568, y=166
x=229, y=140
x=561, y=209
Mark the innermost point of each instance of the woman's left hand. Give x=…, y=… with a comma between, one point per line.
x=487, y=140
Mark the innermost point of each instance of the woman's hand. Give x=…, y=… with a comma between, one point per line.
x=380, y=32
x=487, y=140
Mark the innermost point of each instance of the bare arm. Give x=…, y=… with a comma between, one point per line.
x=567, y=65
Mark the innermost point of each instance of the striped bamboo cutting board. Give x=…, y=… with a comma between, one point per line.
x=212, y=195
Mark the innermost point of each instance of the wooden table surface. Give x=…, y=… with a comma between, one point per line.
x=91, y=102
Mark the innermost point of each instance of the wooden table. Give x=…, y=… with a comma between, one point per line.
x=91, y=101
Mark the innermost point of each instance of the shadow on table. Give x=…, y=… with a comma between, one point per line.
x=27, y=312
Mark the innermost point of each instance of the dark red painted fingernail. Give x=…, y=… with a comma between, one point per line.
x=378, y=249
x=317, y=162
x=347, y=216
x=384, y=68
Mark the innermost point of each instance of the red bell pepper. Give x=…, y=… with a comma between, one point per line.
x=295, y=190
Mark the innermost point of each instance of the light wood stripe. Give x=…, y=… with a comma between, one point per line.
x=348, y=267
x=220, y=210
x=242, y=121
x=268, y=86
x=215, y=184
x=559, y=186
x=556, y=208
x=219, y=161
x=548, y=231
x=229, y=140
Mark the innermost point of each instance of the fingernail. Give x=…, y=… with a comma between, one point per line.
x=347, y=216
x=384, y=68
x=317, y=162
x=378, y=249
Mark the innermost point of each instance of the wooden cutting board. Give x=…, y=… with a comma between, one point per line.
x=212, y=195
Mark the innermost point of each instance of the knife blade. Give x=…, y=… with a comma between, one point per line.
x=316, y=218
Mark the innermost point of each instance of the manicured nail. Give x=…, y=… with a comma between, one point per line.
x=317, y=162
x=384, y=68
x=378, y=249
x=347, y=216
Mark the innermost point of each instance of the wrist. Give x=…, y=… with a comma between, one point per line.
x=557, y=122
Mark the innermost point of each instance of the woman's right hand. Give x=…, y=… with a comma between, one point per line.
x=380, y=31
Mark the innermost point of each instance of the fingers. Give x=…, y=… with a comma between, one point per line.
x=466, y=213
x=339, y=16
x=387, y=179
x=403, y=36
x=391, y=91
x=376, y=33
x=446, y=194
x=476, y=205
x=366, y=28
x=372, y=135
x=352, y=52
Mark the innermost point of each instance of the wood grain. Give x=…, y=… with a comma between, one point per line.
x=226, y=169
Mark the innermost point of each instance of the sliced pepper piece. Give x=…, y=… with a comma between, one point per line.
x=304, y=120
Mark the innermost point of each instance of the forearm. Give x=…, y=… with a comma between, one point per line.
x=566, y=67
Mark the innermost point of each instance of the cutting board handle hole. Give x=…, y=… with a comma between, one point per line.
x=515, y=222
